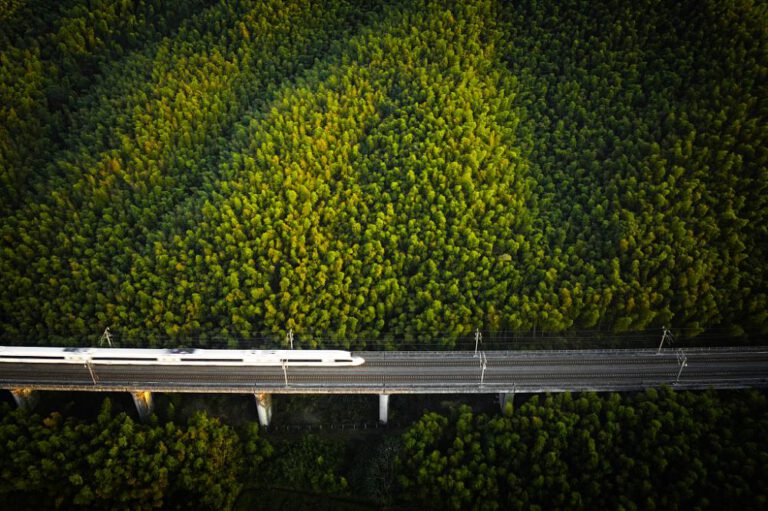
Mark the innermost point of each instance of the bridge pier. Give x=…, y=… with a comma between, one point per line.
x=144, y=403
x=383, y=408
x=506, y=399
x=25, y=398
x=264, y=407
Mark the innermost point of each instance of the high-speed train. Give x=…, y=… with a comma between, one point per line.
x=179, y=356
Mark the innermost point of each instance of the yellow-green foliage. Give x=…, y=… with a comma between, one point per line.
x=114, y=462
x=403, y=171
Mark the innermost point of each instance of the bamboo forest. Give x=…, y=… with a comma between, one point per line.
x=653, y=450
x=386, y=174
x=191, y=170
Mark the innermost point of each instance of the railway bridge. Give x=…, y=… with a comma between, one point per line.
x=504, y=373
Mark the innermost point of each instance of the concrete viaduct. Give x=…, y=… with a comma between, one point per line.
x=385, y=373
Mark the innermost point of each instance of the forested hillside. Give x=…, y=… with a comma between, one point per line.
x=651, y=450
x=114, y=462
x=180, y=171
x=655, y=450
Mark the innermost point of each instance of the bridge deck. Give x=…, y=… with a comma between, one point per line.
x=424, y=372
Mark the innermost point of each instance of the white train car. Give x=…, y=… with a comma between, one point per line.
x=179, y=356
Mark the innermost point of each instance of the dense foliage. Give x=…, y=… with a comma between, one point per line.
x=397, y=170
x=309, y=463
x=656, y=450
x=50, y=55
x=116, y=463
x=648, y=130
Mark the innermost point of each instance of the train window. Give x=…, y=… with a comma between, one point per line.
x=36, y=357
x=211, y=359
x=343, y=361
x=124, y=358
x=303, y=360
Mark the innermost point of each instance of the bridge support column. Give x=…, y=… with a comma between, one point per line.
x=264, y=407
x=506, y=398
x=25, y=398
x=383, y=408
x=144, y=403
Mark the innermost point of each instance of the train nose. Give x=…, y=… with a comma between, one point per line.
x=356, y=361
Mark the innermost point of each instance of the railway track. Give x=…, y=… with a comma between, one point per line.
x=423, y=372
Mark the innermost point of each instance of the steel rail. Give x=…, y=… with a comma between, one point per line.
x=423, y=372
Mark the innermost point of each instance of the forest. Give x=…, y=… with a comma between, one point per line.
x=653, y=450
x=657, y=449
x=115, y=462
x=188, y=171
x=393, y=173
